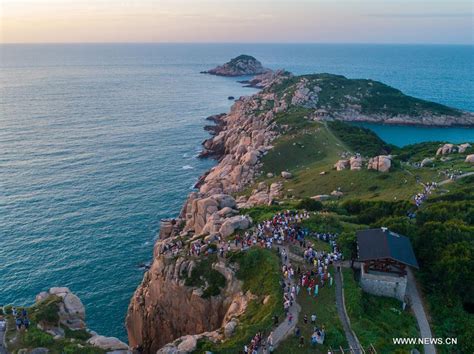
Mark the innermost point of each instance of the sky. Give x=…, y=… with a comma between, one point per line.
x=244, y=21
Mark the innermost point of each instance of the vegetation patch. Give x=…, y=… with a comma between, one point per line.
x=376, y=319
x=259, y=269
x=361, y=140
x=204, y=276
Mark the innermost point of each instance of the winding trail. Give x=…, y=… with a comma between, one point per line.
x=419, y=311
x=351, y=337
x=467, y=174
x=285, y=329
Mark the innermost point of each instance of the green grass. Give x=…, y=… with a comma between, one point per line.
x=361, y=140
x=324, y=306
x=204, y=276
x=376, y=320
x=259, y=270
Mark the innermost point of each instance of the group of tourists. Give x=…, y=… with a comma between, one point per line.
x=428, y=188
x=21, y=319
x=286, y=228
x=172, y=247
x=283, y=227
x=259, y=343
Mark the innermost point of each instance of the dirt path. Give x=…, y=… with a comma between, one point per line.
x=351, y=337
x=456, y=178
x=286, y=328
x=419, y=311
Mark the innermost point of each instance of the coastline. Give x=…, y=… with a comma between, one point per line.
x=239, y=139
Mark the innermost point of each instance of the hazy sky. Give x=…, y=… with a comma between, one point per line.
x=372, y=21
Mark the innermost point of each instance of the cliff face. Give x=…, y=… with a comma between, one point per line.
x=163, y=308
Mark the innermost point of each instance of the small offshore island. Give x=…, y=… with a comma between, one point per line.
x=292, y=175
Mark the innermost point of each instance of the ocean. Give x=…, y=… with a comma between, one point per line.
x=98, y=142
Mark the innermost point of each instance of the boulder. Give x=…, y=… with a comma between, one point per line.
x=321, y=197
x=427, y=162
x=229, y=328
x=445, y=149
x=380, y=163
x=356, y=163
x=337, y=194
x=470, y=158
x=107, y=343
x=225, y=212
x=286, y=174
x=341, y=165
x=230, y=225
x=463, y=147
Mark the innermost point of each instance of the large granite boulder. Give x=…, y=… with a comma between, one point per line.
x=107, y=343
x=445, y=149
x=71, y=311
x=234, y=223
x=242, y=65
x=470, y=158
x=356, y=163
x=380, y=163
x=341, y=165
x=463, y=147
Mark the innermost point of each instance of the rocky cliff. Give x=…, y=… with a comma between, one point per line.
x=164, y=308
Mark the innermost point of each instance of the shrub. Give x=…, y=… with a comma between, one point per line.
x=36, y=338
x=310, y=204
x=46, y=310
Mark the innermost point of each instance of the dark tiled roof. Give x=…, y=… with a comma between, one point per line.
x=382, y=243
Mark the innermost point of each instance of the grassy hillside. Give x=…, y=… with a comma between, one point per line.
x=337, y=92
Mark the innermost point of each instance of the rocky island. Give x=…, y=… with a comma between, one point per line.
x=285, y=148
x=243, y=65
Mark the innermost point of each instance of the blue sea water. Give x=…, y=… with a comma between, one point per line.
x=98, y=142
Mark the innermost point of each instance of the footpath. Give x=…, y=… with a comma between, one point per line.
x=285, y=328
x=351, y=337
x=420, y=313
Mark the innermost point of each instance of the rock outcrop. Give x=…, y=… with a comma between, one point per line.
x=242, y=65
x=445, y=149
x=72, y=314
x=380, y=163
x=341, y=165
x=356, y=163
x=470, y=158
x=463, y=147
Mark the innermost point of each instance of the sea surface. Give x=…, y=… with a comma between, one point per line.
x=99, y=142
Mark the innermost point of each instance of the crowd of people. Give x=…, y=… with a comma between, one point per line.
x=428, y=188
x=282, y=229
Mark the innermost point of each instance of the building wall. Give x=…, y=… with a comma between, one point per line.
x=383, y=285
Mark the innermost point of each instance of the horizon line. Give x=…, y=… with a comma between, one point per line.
x=246, y=43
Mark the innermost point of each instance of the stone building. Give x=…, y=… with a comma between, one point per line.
x=384, y=257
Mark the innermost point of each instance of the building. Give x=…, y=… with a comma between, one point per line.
x=384, y=257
